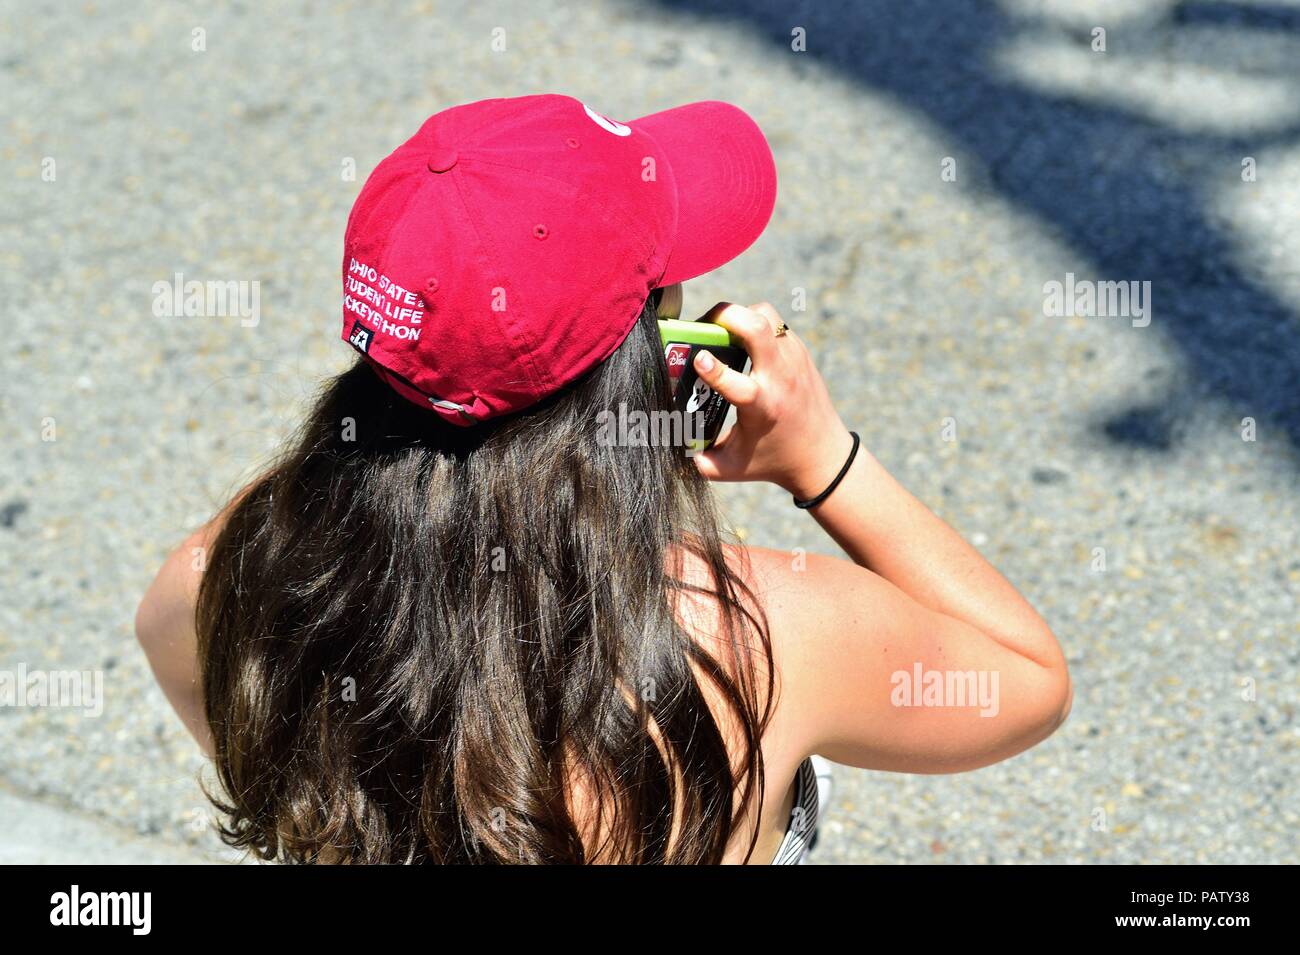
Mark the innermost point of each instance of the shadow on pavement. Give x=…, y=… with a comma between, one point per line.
x=1125, y=191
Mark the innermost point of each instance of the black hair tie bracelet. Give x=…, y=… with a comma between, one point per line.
x=814, y=501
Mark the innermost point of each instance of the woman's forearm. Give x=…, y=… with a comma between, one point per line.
x=884, y=528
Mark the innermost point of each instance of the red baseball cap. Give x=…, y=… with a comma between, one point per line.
x=509, y=245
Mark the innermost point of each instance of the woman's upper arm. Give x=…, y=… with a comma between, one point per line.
x=871, y=678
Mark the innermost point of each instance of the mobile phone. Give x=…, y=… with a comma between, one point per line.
x=703, y=410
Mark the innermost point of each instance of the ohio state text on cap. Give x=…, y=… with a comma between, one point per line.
x=509, y=245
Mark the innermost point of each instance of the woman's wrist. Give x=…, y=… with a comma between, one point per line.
x=819, y=466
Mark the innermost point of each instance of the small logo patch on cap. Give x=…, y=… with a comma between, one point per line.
x=359, y=338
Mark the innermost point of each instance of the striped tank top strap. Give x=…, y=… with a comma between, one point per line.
x=803, y=817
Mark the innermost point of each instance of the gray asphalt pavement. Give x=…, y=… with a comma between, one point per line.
x=1098, y=461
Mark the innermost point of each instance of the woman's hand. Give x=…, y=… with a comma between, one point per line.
x=787, y=430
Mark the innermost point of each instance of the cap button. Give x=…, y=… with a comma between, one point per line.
x=442, y=160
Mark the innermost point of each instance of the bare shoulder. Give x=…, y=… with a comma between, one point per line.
x=796, y=591
x=789, y=594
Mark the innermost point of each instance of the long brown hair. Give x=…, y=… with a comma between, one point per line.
x=414, y=638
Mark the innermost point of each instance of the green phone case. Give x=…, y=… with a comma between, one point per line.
x=692, y=398
x=694, y=333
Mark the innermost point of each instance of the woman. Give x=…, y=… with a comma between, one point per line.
x=451, y=624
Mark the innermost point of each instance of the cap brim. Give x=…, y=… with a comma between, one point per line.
x=726, y=183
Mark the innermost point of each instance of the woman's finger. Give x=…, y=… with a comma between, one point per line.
x=768, y=311
x=739, y=389
x=716, y=463
x=754, y=331
x=707, y=465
